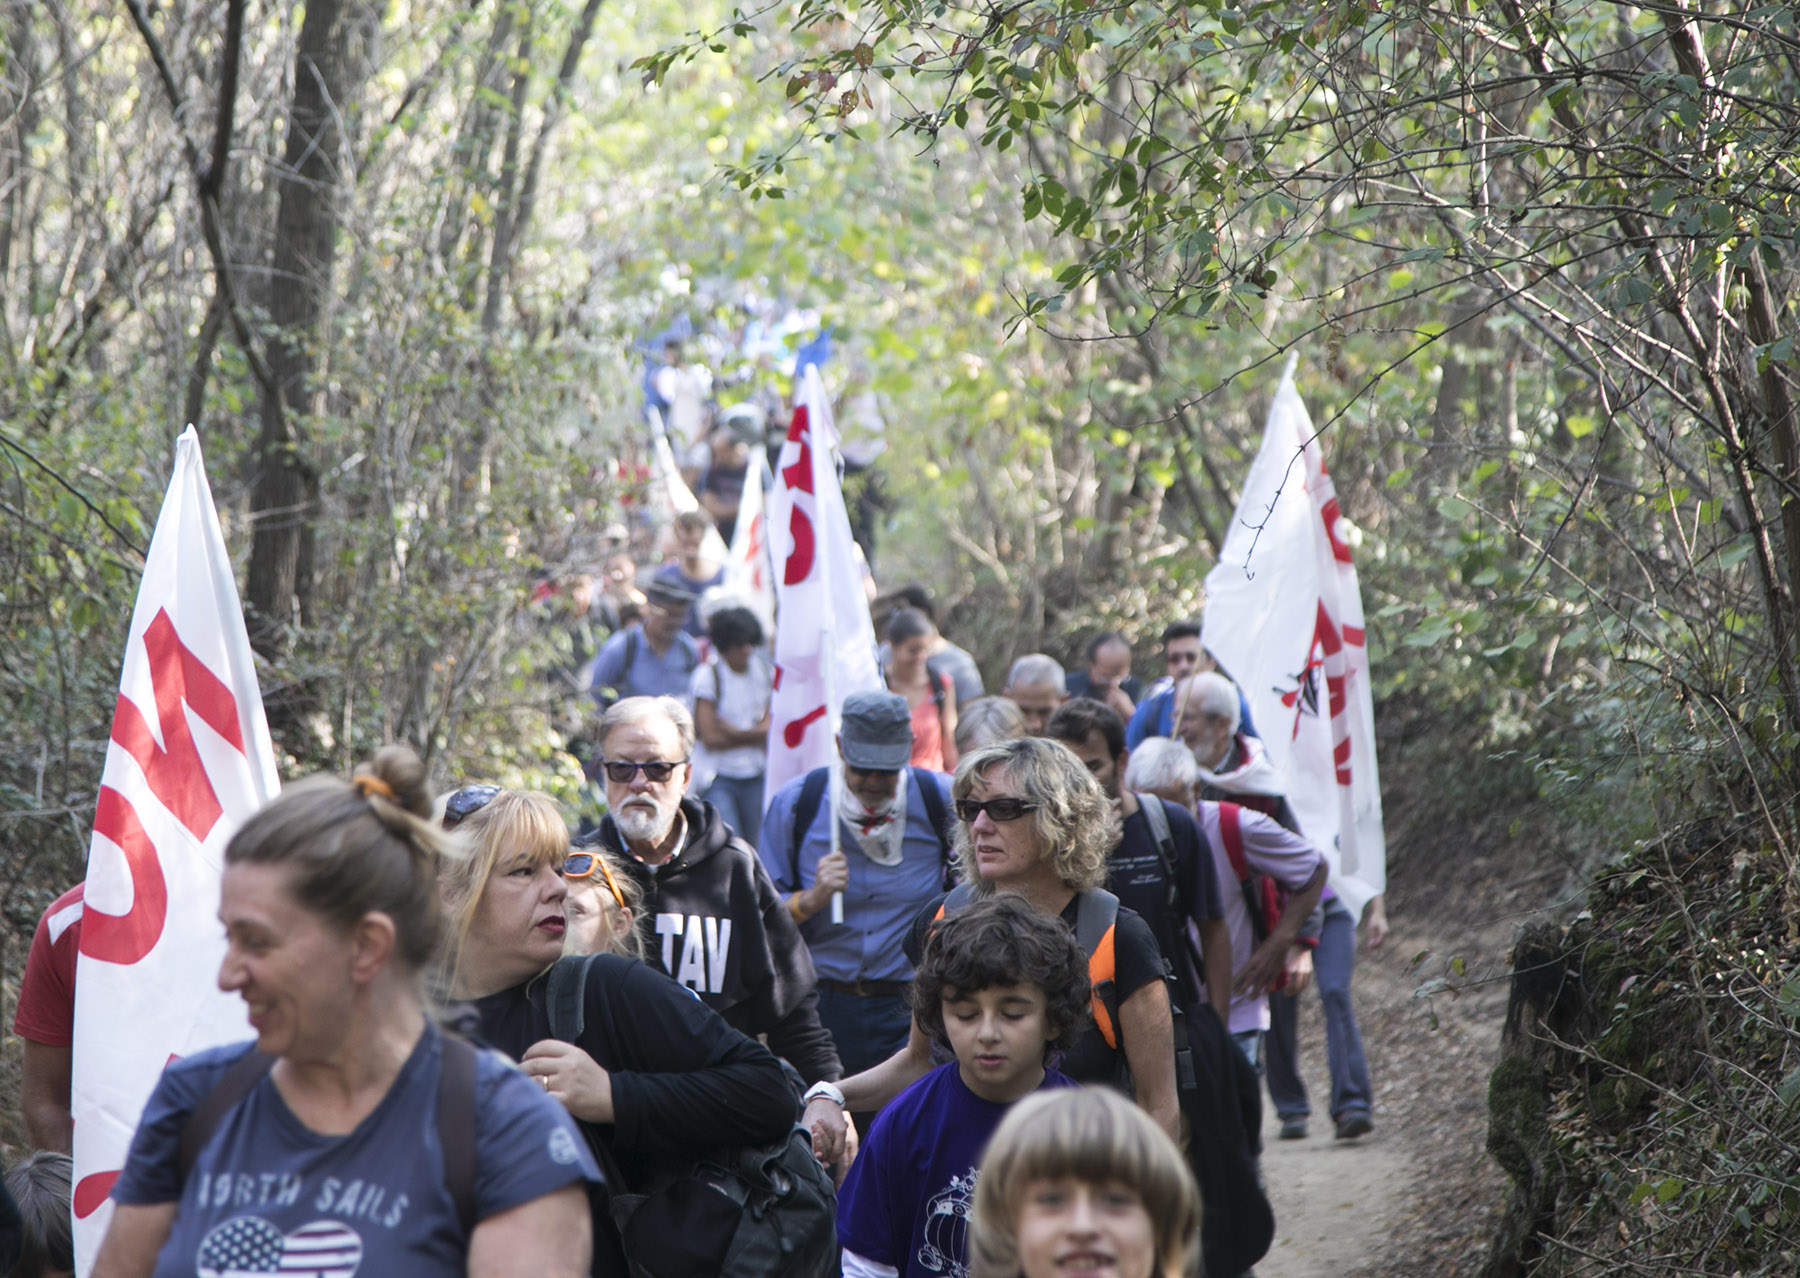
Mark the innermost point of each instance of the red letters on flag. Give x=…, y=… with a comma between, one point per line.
x=188, y=760
x=1284, y=618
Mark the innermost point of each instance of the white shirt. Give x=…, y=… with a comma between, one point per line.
x=740, y=701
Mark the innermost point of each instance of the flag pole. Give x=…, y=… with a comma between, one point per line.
x=837, y=761
x=821, y=458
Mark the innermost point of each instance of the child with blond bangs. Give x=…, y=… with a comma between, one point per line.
x=1000, y=986
x=1083, y=1182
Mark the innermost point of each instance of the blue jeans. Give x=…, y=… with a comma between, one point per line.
x=1333, y=962
x=740, y=804
x=866, y=1028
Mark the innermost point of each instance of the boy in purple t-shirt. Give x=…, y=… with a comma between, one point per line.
x=1000, y=986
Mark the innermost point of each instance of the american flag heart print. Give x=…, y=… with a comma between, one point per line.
x=250, y=1246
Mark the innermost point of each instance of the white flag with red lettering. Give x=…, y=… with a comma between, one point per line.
x=1284, y=616
x=749, y=573
x=824, y=640
x=190, y=758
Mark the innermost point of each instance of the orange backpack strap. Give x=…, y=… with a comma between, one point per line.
x=1102, y=966
x=1096, y=921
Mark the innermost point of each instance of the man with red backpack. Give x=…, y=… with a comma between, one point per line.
x=1259, y=860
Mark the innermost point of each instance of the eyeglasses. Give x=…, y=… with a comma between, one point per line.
x=581, y=865
x=1005, y=808
x=621, y=771
x=466, y=802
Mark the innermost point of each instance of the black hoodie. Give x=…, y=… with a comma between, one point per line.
x=714, y=922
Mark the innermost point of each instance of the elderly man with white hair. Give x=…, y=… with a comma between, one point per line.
x=1208, y=719
x=712, y=919
x=1036, y=685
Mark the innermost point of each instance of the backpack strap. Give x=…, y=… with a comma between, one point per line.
x=1259, y=892
x=1231, y=831
x=631, y=647
x=1096, y=924
x=939, y=816
x=1158, y=818
x=204, y=1119
x=566, y=998
x=937, y=679
x=806, y=811
x=456, y=1126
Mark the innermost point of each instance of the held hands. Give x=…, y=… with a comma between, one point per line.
x=833, y=1135
x=832, y=874
x=572, y=1077
x=1299, y=969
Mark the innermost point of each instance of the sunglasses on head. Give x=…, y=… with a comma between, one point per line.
x=466, y=802
x=1005, y=808
x=621, y=771
x=581, y=865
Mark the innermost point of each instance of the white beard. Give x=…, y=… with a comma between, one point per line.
x=641, y=825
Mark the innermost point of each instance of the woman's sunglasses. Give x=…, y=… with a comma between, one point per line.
x=620, y=772
x=1002, y=809
x=466, y=802
x=581, y=865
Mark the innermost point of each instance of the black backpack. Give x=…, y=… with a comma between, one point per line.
x=742, y=1212
x=1222, y=1098
x=455, y=1119
x=812, y=794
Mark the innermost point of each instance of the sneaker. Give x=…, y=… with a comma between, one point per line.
x=1353, y=1123
x=1294, y=1128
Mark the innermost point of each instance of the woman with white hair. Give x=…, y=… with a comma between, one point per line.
x=1235, y=767
x=1166, y=768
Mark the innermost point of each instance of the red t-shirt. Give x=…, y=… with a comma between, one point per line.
x=46, y=1011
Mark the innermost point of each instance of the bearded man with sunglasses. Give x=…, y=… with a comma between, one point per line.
x=711, y=918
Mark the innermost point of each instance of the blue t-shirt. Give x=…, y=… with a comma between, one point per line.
x=906, y=1200
x=647, y=675
x=270, y=1195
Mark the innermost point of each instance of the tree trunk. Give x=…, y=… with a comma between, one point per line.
x=329, y=68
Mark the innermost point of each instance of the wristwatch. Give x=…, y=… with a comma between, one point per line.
x=827, y=1091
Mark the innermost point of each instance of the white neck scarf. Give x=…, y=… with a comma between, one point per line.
x=879, y=831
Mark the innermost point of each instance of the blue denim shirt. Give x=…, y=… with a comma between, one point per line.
x=880, y=901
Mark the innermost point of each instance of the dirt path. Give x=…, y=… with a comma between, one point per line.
x=1417, y=1195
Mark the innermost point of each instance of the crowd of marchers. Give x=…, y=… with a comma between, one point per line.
x=999, y=995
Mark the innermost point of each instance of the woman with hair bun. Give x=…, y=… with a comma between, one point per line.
x=339, y=1139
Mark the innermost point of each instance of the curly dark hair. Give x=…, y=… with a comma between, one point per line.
x=1001, y=940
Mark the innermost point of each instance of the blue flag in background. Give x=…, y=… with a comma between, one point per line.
x=813, y=353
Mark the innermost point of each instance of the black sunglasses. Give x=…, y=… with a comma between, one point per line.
x=466, y=802
x=1005, y=808
x=621, y=771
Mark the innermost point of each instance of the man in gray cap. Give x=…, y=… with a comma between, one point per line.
x=894, y=856
x=649, y=658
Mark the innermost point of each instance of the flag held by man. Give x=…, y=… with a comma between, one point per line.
x=189, y=759
x=1284, y=615
x=825, y=642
